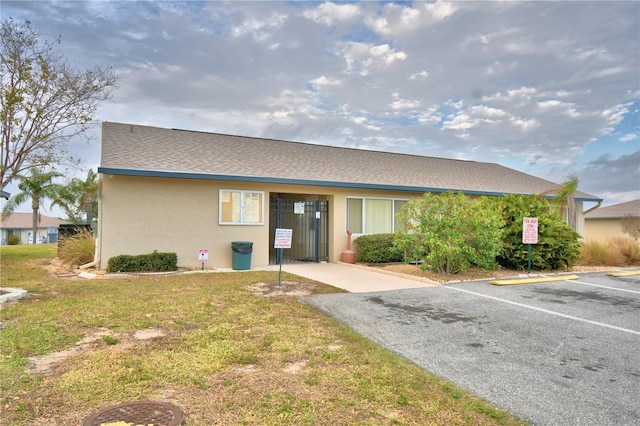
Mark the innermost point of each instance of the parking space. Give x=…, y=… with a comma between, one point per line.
x=562, y=352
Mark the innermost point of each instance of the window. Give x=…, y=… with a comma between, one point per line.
x=241, y=207
x=373, y=215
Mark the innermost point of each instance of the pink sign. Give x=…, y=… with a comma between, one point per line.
x=530, y=230
x=203, y=255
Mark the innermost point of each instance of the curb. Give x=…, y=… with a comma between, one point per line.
x=534, y=280
x=623, y=274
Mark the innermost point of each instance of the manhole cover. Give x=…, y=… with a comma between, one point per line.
x=138, y=413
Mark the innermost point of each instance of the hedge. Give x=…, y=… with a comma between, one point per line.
x=152, y=262
x=378, y=248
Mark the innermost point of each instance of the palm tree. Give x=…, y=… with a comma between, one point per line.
x=86, y=192
x=79, y=198
x=566, y=196
x=39, y=186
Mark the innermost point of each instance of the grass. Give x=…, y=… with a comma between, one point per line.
x=224, y=356
x=77, y=249
x=618, y=251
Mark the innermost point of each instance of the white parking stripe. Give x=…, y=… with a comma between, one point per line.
x=604, y=286
x=522, y=305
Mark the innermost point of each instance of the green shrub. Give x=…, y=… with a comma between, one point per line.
x=152, y=262
x=558, y=245
x=378, y=248
x=13, y=240
x=77, y=249
x=451, y=232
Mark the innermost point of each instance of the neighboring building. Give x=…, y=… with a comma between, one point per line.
x=21, y=224
x=606, y=222
x=184, y=191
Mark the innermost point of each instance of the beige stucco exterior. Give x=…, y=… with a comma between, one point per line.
x=602, y=229
x=141, y=214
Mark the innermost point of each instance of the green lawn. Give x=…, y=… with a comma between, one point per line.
x=224, y=354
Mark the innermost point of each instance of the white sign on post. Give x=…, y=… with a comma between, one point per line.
x=298, y=207
x=283, y=238
x=530, y=230
x=203, y=255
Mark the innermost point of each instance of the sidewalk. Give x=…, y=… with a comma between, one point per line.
x=355, y=279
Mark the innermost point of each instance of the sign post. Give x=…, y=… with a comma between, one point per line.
x=529, y=236
x=203, y=256
x=282, y=241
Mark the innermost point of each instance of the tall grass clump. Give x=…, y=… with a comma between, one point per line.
x=77, y=249
x=617, y=251
x=630, y=249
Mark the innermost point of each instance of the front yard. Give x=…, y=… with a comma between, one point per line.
x=217, y=346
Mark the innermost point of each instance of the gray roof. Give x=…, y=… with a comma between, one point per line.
x=630, y=208
x=151, y=151
x=25, y=221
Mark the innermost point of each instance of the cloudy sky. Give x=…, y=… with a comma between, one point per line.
x=548, y=88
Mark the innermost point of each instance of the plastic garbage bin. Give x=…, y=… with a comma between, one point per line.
x=241, y=256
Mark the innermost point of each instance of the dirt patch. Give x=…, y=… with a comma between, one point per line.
x=148, y=334
x=296, y=367
x=47, y=364
x=282, y=288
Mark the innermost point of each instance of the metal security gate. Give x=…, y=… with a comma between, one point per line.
x=309, y=220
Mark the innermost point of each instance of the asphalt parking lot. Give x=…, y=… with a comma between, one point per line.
x=551, y=353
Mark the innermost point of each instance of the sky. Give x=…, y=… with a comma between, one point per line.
x=551, y=89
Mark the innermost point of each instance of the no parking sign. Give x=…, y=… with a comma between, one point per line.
x=530, y=230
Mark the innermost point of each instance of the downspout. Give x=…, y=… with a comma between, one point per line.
x=88, y=265
x=96, y=255
x=592, y=208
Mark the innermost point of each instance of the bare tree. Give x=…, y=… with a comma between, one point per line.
x=630, y=224
x=45, y=101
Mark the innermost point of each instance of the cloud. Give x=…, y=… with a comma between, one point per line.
x=330, y=13
x=362, y=57
x=325, y=81
x=397, y=20
x=628, y=137
x=536, y=85
x=260, y=29
x=613, y=174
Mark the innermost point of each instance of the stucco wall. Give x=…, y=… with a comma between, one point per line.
x=141, y=214
x=602, y=229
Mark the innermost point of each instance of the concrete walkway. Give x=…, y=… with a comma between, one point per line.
x=356, y=279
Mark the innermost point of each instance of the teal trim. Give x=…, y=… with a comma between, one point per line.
x=332, y=184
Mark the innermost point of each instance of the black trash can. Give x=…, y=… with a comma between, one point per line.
x=241, y=260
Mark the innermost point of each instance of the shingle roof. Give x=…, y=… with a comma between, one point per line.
x=615, y=211
x=152, y=151
x=25, y=221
